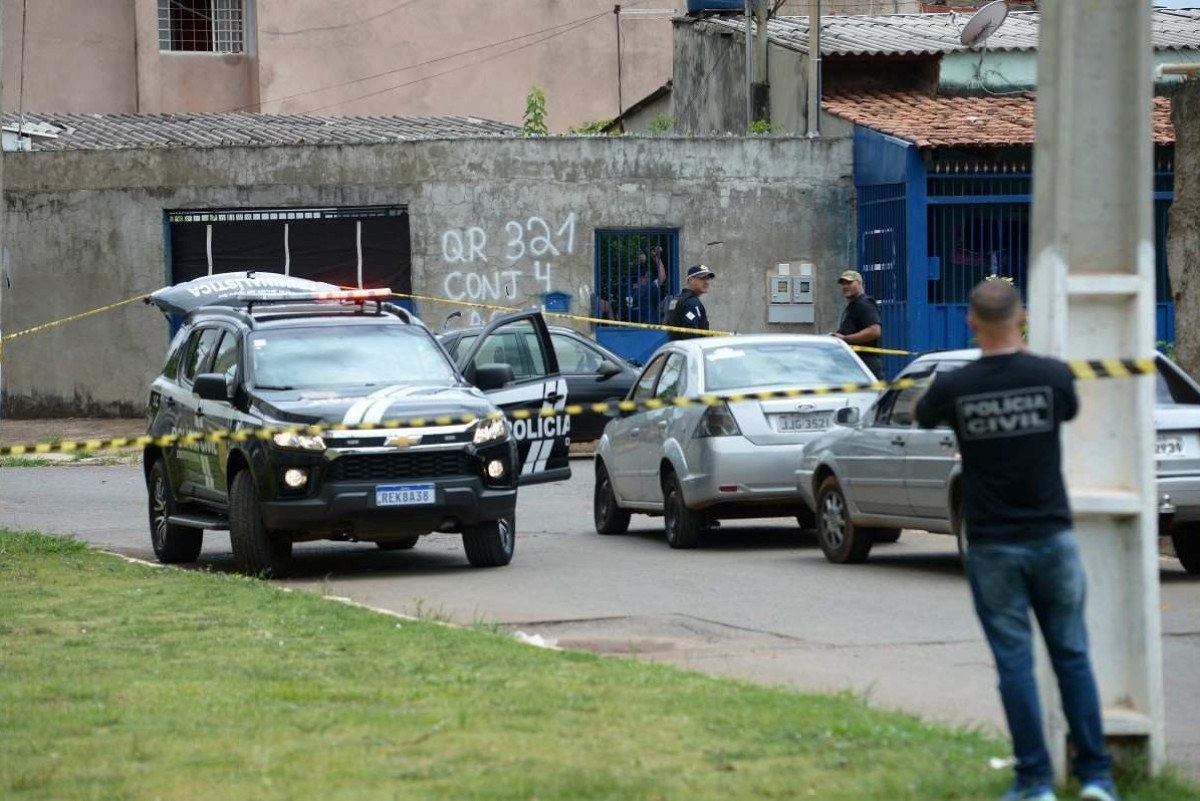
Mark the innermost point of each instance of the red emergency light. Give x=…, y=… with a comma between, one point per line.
x=352, y=295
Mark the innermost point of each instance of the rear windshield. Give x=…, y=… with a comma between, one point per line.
x=1171, y=387
x=793, y=364
x=347, y=356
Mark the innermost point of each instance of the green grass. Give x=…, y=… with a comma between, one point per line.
x=120, y=681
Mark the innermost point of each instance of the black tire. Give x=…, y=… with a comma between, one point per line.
x=684, y=526
x=172, y=544
x=841, y=541
x=491, y=544
x=885, y=535
x=609, y=517
x=255, y=551
x=399, y=545
x=1186, y=539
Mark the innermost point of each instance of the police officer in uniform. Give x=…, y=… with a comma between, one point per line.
x=687, y=310
x=860, y=323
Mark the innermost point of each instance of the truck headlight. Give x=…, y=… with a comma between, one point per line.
x=305, y=442
x=491, y=430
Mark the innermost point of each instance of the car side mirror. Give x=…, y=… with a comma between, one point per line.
x=848, y=416
x=211, y=386
x=493, y=376
x=608, y=369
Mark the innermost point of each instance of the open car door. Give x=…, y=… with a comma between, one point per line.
x=521, y=343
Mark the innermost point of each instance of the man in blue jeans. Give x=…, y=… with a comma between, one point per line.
x=1006, y=410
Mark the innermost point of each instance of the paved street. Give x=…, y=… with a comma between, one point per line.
x=757, y=601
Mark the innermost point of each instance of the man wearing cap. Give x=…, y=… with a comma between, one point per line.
x=686, y=310
x=860, y=323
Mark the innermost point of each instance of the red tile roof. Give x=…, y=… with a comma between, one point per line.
x=957, y=121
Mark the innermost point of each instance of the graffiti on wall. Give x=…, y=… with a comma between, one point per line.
x=512, y=265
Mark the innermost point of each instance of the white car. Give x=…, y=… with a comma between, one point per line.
x=695, y=464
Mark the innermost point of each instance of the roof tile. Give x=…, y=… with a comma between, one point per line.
x=929, y=121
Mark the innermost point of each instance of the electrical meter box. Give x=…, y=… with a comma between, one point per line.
x=790, y=290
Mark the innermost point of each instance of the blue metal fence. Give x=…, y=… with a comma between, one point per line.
x=628, y=289
x=883, y=261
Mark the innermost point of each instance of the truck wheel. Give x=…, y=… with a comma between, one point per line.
x=1186, y=539
x=491, y=544
x=255, y=551
x=841, y=541
x=172, y=544
x=607, y=515
x=684, y=526
x=399, y=545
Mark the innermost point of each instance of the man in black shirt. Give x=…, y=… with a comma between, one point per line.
x=860, y=323
x=686, y=310
x=1006, y=410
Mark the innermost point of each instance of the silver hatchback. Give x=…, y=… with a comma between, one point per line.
x=869, y=479
x=696, y=464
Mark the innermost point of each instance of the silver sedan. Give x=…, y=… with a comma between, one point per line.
x=869, y=479
x=696, y=464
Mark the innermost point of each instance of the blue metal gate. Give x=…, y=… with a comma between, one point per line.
x=958, y=223
x=629, y=288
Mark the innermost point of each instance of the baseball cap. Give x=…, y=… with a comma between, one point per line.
x=700, y=271
x=850, y=275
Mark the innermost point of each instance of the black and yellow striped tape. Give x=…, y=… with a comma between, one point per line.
x=1083, y=369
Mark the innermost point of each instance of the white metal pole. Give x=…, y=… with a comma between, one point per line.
x=749, y=67
x=1092, y=296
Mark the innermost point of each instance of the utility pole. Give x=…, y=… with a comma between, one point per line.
x=3, y=261
x=814, y=68
x=749, y=69
x=620, y=100
x=1092, y=297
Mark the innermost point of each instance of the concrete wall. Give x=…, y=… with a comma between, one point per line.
x=1183, y=244
x=642, y=120
x=79, y=55
x=708, y=83
x=85, y=228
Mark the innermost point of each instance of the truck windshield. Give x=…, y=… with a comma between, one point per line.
x=347, y=356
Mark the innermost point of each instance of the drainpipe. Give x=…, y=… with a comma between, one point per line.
x=814, y=68
x=749, y=69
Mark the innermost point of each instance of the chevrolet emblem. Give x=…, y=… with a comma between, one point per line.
x=403, y=441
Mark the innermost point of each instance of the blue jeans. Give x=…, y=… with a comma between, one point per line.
x=1045, y=576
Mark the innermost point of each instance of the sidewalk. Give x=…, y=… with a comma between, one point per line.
x=28, y=432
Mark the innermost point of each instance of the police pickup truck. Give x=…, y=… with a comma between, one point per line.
x=419, y=445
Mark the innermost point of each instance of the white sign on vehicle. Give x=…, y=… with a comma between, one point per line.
x=1170, y=446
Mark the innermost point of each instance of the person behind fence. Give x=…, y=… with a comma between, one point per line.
x=860, y=323
x=646, y=288
x=1006, y=410
x=686, y=310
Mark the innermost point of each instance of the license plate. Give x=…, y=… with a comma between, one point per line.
x=802, y=422
x=404, y=494
x=1169, y=446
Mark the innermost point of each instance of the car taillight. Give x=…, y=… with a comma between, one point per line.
x=718, y=421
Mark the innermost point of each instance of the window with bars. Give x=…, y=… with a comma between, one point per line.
x=202, y=26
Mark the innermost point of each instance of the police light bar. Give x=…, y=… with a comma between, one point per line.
x=352, y=295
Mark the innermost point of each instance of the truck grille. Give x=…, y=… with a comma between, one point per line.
x=388, y=466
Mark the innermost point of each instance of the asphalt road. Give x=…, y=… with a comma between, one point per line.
x=757, y=601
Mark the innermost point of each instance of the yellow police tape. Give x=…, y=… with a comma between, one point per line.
x=621, y=323
x=1081, y=368
x=44, y=326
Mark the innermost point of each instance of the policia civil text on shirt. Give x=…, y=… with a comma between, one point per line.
x=860, y=323
x=686, y=309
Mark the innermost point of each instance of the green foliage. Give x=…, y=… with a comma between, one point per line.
x=535, y=114
x=1166, y=348
x=661, y=124
x=762, y=127
x=590, y=128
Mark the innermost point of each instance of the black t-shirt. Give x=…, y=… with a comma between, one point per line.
x=689, y=313
x=862, y=313
x=1006, y=411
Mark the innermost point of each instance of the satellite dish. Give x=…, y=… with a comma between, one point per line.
x=984, y=22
